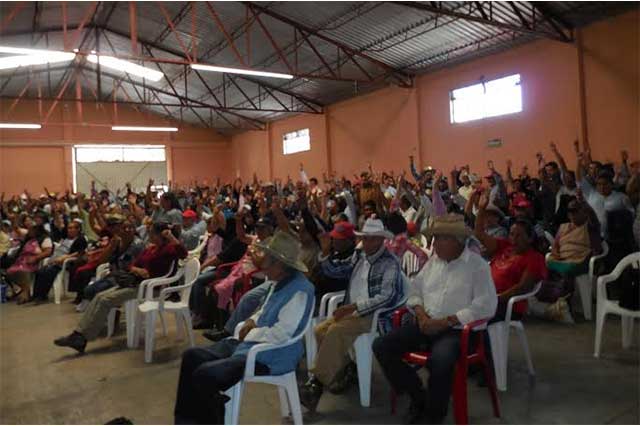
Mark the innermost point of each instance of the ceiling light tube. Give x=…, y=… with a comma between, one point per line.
x=126, y=66
x=9, y=62
x=19, y=126
x=144, y=129
x=204, y=67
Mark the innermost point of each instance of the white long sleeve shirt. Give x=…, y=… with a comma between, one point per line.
x=462, y=287
x=288, y=320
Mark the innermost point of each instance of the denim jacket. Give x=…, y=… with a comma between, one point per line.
x=385, y=278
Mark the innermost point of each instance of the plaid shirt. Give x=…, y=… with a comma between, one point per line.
x=384, y=281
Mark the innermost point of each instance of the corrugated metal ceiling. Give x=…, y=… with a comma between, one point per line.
x=406, y=39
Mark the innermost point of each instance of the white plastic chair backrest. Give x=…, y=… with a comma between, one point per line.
x=520, y=297
x=549, y=237
x=102, y=270
x=253, y=352
x=630, y=260
x=191, y=272
x=410, y=263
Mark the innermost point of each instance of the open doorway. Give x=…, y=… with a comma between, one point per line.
x=111, y=167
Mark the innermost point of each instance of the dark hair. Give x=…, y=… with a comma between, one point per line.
x=314, y=180
x=172, y=199
x=371, y=204
x=552, y=164
x=159, y=227
x=528, y=227
x=396, y=223
x=606, y=174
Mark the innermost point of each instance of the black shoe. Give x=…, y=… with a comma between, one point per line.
x=417, y=408
x=345, y=379
x=216, y=335
x=119, y=421
x=75, y=340
x=310, y=394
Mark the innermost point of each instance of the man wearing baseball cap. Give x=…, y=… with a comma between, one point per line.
x=192, y=229
x=375, y=282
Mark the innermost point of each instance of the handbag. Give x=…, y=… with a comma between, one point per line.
x=125, y=279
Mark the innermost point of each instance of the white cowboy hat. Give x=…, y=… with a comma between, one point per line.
x=374, y=228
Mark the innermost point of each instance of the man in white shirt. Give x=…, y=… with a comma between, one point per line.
x=453, y=289
x=604, y=200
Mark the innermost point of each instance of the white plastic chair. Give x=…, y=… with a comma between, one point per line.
x=202, y=241
x=499, y=337
x=287, y=383
x=410, y=264
x=585, y=282
x=151, y=307
x=130, y=307
x=61, y=282
x=362, y=344
x=606, y=306
x=311, y=345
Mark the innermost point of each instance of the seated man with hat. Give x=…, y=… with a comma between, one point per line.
x=453, y=289
x=205, y=372
x=375, y=282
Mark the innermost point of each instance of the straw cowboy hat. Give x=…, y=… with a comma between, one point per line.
x=374, y=228
x=284, y=247
x=451, y=225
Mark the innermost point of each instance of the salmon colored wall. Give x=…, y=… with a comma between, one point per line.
x=380, y=128
x=550, y=109
x=251, y=154
x=611, y=58
x=191, y=151
x=314, y=161
x=32, y=168
x=386, y=126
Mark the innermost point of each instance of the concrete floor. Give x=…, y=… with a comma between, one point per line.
x=41, y=383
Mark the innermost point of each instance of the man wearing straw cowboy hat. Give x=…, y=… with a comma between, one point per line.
x=453, y=289
x=205, y=372
x=375, y=281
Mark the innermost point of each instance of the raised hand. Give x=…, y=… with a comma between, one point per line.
x=509, y=164
x=553, y=146
x=576, y=145
x=490, y=165
x=625, y=156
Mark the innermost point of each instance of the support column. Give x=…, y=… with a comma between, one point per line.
x=582, y=93
x=327, y=131
x=418, y=97
x=270, y=149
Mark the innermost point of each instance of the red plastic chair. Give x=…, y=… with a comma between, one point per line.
x=419, y=359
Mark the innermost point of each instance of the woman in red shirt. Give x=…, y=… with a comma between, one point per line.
x=153, y=262
x=515, y=265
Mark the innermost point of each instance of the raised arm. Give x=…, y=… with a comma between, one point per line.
x=488, y=241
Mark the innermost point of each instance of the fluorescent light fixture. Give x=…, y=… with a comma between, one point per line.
x=144, y=129
x=126, y=66
x=27, y=57
x=203, y=67
x=19, y=126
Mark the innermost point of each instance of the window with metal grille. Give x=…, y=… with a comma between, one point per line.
x=487, y=99
x=297, y=141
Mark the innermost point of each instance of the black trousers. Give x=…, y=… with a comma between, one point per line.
x=205, y=372
x=444, y=348
x=44, y=281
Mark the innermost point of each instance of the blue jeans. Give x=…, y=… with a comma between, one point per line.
x=199, y=291
x=99, y=286
x=249, y=303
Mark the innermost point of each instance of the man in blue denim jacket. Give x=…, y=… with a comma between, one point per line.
x=375, y=282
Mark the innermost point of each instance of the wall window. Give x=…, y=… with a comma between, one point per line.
x=297, y=141
x=487, y=99
x=112, y=153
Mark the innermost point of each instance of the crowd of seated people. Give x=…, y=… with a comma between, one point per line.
x=268, y=249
